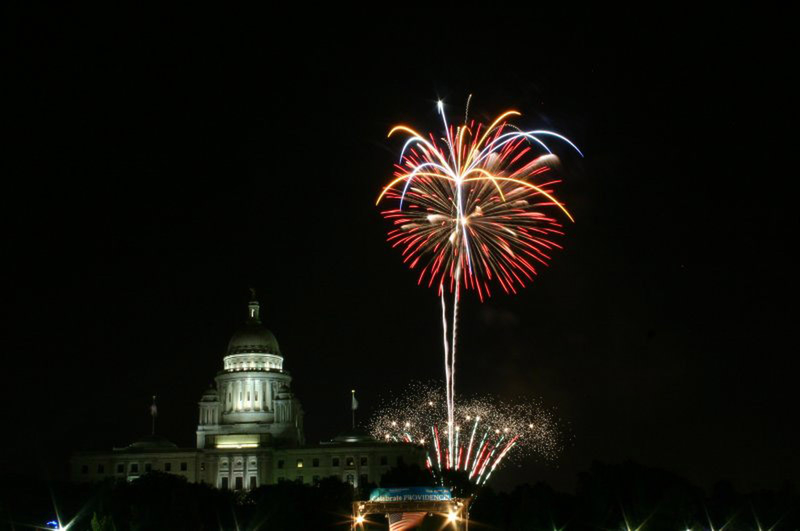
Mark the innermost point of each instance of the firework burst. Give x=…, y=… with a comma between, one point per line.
x=485, y=431
x=473, y=207
x=476, y=205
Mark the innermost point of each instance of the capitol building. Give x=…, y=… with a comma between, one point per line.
x=250, y=431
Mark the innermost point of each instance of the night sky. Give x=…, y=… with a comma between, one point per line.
x=160, y=163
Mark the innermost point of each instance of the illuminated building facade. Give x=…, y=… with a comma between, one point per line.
x=250, y=431
x=252, y=404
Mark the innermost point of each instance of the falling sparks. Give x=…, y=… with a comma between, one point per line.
x=485, y=430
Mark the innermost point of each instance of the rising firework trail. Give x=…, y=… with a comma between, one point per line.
x=486, y=430
x=475, y=207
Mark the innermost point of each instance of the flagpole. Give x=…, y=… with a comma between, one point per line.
x=153, y=417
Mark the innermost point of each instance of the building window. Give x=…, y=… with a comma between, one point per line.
x=280, y=463
x=202, y=467
x=363, y=460
x=252, y=482
x=350, y=461
x=101, y=469
x=134, y=468
x=224, y=485
x=315, y=462
x=184, y=467
x=148, y=467
x=84, y=469
x=363, y=479
x=120, y=468
x=299, y=463
x=384, y=460
x=239, y=482
x=335, y=461
x=351, y=479
x=167, y=467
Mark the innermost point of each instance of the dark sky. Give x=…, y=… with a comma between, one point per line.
x=159, y=163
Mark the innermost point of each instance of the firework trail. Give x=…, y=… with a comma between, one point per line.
x=491, y=429
x=474, y=207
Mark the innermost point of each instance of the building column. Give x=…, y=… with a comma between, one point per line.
x=252, y=390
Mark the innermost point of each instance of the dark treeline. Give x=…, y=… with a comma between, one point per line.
x=624, y=496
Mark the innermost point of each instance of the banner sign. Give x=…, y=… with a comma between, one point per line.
x=411, y=494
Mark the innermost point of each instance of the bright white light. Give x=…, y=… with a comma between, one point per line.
x=359, y=519
x=451, y=516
